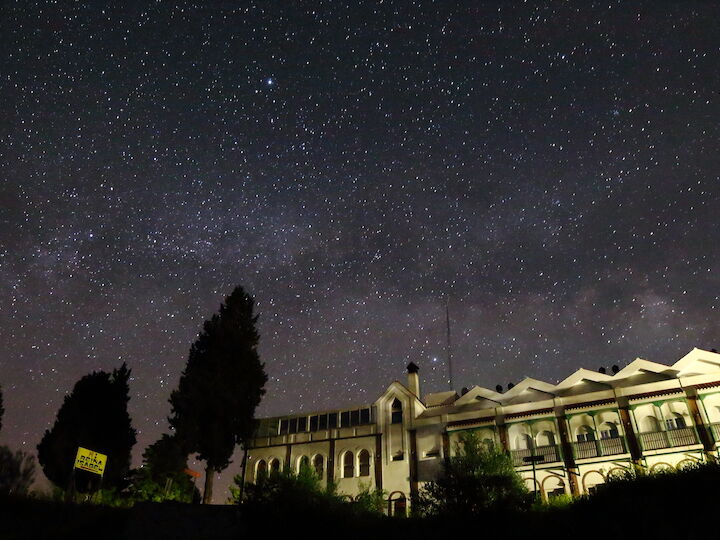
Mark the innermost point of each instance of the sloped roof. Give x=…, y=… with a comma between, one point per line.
x=441, y=398
x=697, y=362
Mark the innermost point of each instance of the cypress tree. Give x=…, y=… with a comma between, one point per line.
x=94, y=415
x=222, y=384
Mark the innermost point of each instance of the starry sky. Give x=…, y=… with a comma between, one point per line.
x=551, y=170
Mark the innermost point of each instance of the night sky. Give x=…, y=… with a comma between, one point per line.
x=551, y=169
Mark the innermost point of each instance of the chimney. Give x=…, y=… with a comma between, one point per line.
x=413, y=379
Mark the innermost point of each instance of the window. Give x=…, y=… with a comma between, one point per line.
x=332, y=420
x=345, y=419
x=364, y=462
x=261, y=470
x=354, y=418
x=609, y=431
x=348, y=465
x=319, y=465
x=558, y=491
x=302, y=424
x=364, y=416
x=399, y=507
x=545, y=438
x=303, y=463
x=585, y=434
x=678, y=422
x=275, y=466
x=293, y=425
x=314, y=423
x=283, y=427
x=323, y=421
x=396, y=413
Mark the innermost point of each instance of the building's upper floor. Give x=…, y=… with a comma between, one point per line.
x=640, y=386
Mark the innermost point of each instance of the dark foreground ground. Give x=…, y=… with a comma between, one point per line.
x=678, y=506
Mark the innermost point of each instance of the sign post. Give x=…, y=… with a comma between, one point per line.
x=533, y=460
x=90, y=461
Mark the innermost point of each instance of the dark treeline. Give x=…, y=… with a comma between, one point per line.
x=670, y=505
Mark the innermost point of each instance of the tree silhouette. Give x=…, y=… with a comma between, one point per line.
x=162, y=476
x=165, y=456
x=94, y=415
x=1, y=408
x=17, y=471
x=222, y=384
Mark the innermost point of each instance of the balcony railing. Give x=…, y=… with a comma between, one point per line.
x=550, y=454
x=655, y=440
x=598, y=448
x=715, y=431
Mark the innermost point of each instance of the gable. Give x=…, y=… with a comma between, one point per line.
x=698, y=362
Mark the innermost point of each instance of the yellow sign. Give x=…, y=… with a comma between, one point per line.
x=87, y=460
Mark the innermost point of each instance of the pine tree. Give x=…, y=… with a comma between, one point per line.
x=94, y=415
x=222, y=384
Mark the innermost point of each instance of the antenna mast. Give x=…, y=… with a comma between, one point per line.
x=448, y=346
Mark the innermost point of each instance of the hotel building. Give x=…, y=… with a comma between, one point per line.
x=564, y=438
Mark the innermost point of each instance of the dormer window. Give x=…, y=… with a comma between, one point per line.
x=396, y=412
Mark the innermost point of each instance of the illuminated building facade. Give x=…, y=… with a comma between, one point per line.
x=564, y=438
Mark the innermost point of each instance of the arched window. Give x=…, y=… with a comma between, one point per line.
x=545, y=438
x=523, y=442
x=303, y=463
x=275, y=466
x=649, y=424
x=319, y=465
x=364, y=462
x=397, y=504
x=348, y=465
x=585, y=434
x=609, y=430
x=260, y=470
x=396, y=412
x=676, y=422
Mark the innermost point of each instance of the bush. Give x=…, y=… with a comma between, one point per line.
x=17, y=472
x=475, y=480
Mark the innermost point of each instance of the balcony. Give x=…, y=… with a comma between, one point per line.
x=655, y=440
x=550, y=453
x=599, y=448
x=715, y=432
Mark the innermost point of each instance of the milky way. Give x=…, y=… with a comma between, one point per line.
x=551, y=170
